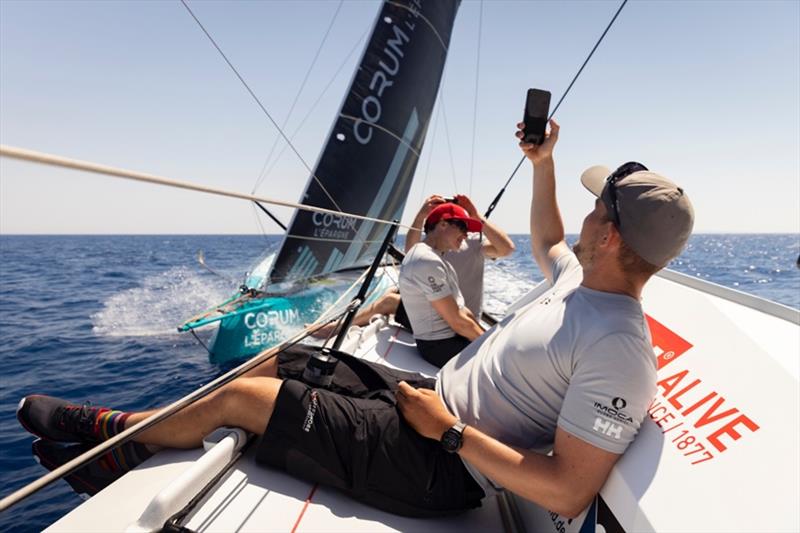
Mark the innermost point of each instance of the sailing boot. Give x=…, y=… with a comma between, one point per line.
x=96, y=475
x=55, y=419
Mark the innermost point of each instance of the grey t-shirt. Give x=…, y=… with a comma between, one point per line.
x=576, y=358
x=425, y=277
x=467, y=261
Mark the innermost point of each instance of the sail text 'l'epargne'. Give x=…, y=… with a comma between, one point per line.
x=371, y=106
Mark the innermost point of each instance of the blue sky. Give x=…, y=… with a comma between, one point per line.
x=706, y=93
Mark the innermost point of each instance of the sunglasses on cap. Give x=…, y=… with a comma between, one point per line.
x=460, y=224
x=611, y=184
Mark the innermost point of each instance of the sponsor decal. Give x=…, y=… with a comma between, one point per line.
x=385, y=73
x=313, y=403
x=258, y=338
x=273, y=317
x=608, y=428
x=667, y=345
x=614, y=411
x=606, y=521
x=268, y=328
x=435, y=287
x=559, y=522
x=329, y=226
x=699, y=421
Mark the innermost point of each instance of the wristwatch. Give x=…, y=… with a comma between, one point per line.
x=452, y=439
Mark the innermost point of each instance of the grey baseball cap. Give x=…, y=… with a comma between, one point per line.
x=655, y=215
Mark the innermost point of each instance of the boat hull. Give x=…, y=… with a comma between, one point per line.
x=260, y=323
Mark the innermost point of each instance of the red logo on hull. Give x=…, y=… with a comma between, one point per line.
x=667, y=345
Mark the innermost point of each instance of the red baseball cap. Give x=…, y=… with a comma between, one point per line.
x=448, y=211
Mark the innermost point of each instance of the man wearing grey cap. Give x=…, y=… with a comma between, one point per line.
x=572, y=372
x=543, y=404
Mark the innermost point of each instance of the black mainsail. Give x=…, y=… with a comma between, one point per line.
x=368, y=162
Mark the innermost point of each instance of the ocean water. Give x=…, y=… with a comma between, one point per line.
x=94, y=317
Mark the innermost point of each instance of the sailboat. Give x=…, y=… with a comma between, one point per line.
x=366, y=168
x=718, y=453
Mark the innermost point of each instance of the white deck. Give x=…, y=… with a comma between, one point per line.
x=743, y=354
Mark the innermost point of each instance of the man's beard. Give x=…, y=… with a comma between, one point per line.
x=585, y=255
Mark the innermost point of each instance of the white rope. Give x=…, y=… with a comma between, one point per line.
x=58, y=161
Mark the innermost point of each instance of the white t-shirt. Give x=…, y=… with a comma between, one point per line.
x=576, y=358
x=425, y=277
x=467, y=261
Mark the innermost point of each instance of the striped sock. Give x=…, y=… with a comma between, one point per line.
x=109, y=422
x=125, y=457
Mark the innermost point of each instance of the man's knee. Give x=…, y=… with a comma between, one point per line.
x=387, y=304
x=248, y=402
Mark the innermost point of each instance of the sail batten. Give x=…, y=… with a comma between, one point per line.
x=373, y=148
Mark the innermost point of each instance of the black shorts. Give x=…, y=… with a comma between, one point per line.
x=353, y=438
x=401, y=317
x=441, y=351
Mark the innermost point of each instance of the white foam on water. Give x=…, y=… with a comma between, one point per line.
x=503, y=285
x=163, y=302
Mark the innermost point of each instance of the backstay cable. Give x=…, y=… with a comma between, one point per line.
x=500, y=194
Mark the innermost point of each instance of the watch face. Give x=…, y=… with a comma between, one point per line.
x=451, y=440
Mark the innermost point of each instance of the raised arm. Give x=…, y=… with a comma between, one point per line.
x=547, y=228
x=414, y=235
x=498, y=244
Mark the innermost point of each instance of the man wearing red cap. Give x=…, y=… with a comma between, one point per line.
x=441, y=323
x=467, y=262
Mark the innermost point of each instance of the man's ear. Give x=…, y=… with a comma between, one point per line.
x=611, y=237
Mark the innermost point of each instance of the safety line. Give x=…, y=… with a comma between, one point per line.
x=58, y=161
x=392, y=341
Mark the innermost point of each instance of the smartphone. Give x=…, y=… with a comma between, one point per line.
x=451, y=200
x=537, y=107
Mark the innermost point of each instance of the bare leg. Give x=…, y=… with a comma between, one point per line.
x=267, y=369
x=246, y=402
x=385, y=305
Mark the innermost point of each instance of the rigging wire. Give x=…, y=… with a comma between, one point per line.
x=503, y=190
x=264, y=109
x=317, y=101
x=273, y=217
x=297, y=96
x=475, y=103
x=449, y=148
x=430, y=154
x=258, y=220
x=194, y=334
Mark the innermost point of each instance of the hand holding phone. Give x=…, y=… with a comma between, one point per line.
x=537, y=107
